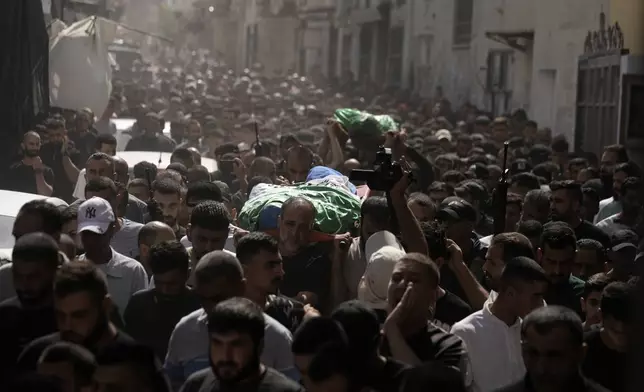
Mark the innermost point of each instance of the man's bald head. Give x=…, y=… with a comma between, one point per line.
x=31, y=144
x=30, y=135
x=351, y=164
x=121, y=169
x=153, y=233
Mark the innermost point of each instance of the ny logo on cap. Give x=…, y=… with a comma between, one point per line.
x=90, y=213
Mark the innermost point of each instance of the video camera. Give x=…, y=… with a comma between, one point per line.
x=385, y=174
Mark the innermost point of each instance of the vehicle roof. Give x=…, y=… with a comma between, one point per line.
x=134, y=157
x=13, y=201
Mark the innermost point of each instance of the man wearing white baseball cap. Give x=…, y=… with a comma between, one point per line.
x=96, y=226
x=382, y=251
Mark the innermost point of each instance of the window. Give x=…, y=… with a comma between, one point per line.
x=463, y=13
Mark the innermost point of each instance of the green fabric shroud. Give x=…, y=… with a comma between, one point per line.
x=336, y=211
x=358, y=123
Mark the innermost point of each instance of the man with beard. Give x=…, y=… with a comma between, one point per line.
x=503, y=247
x=30, y=314
x=82, y=305
x=60, y=154
x=613, y=155
x=631, y=214
x=409, y=335
x=612, y=206
x=565, y=206
x=167, y=194
x=259, y=255
x=492, y=335
x=30, y=175
x=166, y=303
x=34, y=216
x=556, y=254
x=218, y=277
x=236, y=329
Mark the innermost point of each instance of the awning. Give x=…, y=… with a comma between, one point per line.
x=515, y=39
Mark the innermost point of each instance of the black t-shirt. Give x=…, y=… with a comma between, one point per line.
x=450, y=309
x=18, y=327
x=150, y=319
x=450, y=282
x=52, y=157
x=28, y=359
x=85, y=144
x=309, y=270
x=270, y=381
x=587, y=230
x=389, y=378
x=605, y=366
x=434, y=344
x=22, y=178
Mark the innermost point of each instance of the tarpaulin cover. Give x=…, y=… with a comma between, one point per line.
x=79, y=65
x=358, y=123
x=23, y=71
x=337, y=211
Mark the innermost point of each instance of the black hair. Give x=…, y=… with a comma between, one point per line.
x=101, y=184
x=539, y=153
x=619, y=302
x=624, y=236
x=81, y=359
x=596, y=284
x=530, y=228
x=631, y=184
x=168, y=256
x=198, y=173
x=55, y=123
x=543, y=170
x=422, y=200
x=50, y=215
x=540, y=198
x=545, y=318
x=202, y=191
x=558, y=235
x=560, y=144
x=430, y=267
x=167, y=187
x=178, y=167
x=521, y=269
x=104, y=138
x=316, y=332
x=514, y=199
x=630, y=168
x=80, y=276
x=70, y=213
x=216, y=265
x=148, y=368
x=594, y=245
x=333, y=358
x=377, y=209
x=578, y=162
x=513, y=245
x=362, y=327
x=571, y=187
x=183, y=154
x=453, y=176
x=210, y=215
x=440, y=186
x=620, y=150
x=590, y=193
x=531, y=123
x=434, y=233
x=525, y=180
x=36, y=248
x=253, y=243
x=253, y=182
x=239, y=315
x=34, y=382
x=141, y=170
x=100, y=156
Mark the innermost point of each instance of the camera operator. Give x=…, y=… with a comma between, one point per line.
x=60, y=154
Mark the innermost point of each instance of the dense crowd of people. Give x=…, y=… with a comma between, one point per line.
x=141, y=279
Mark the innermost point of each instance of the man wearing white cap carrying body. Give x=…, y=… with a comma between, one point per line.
x=96, y=225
